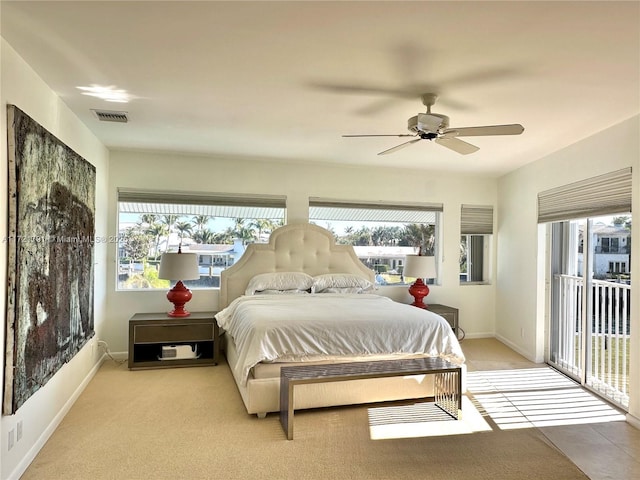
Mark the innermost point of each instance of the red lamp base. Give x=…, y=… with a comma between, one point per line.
x=418, y=291
x=179, y=295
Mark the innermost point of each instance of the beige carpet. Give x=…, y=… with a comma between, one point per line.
x=190, y=423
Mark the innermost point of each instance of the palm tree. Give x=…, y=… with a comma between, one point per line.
x=238, y=224
x=168, y=221
x=247, y=234
x=204, y=236
x=383, y=236
x=262, y=225
x=224, y=238
x=157, y=231
x=421, y=236
x=242, y=231
x=183, y=228
x=148, y=218
x=363, y=236
x=200, y=221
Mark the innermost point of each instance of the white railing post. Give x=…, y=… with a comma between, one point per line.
x=608, y=372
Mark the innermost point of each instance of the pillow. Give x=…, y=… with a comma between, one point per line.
x=279, y=281
x=340, y=283
x=294, y=291
x=343, y=290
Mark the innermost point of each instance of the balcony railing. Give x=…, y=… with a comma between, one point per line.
x=622, y=250
x=606, y=341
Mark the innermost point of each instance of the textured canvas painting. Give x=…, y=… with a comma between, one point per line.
x=50, y=257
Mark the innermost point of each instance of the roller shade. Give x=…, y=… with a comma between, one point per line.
x=476, y=220
x=606, y=194
x=337, y=210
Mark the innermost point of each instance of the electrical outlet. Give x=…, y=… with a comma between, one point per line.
x=11, y=435
x=19, y=431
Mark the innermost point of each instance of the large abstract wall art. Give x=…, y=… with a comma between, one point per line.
x=49, y=257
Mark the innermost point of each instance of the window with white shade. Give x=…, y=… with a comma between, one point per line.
x=217, y=227
x=382, y=234
x=476, y=232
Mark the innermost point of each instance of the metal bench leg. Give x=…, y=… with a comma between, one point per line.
x=286, y=406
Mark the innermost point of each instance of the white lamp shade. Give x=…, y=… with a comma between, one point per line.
x=179, y=266
x=419, y=266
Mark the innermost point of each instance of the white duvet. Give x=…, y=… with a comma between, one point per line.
x=308, y=327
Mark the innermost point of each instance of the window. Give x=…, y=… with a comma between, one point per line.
x=590, y=306
x=382, y=234
x=217, y=227
x=476, y=228
x=617, y=268
x=472, y=258
x=609, y=245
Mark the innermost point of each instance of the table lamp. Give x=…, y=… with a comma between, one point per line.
x=179, y=266
x=419, y=267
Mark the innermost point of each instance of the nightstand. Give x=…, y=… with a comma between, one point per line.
x=149, y=332
x=450, y=314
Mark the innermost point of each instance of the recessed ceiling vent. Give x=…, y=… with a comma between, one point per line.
x=111, y=116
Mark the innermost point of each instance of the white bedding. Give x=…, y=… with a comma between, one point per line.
x=310, y=327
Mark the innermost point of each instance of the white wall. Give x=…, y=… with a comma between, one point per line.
x=520, y=288
x=298, y=182
x=40, y=414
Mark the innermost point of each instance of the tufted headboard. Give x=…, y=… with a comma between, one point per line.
x=299, y=247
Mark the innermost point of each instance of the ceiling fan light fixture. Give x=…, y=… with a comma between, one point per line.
x=431, y=122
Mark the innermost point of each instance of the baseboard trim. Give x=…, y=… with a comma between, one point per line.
x=46, y=434
x=471, y=336
x=633, y=421
x=517, y=349
x=120, y=355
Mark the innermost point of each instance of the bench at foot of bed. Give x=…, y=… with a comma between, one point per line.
x=448, y=381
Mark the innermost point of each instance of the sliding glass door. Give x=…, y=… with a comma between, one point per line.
x=590, y=303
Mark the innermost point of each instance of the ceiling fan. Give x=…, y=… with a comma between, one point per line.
x=434, y=126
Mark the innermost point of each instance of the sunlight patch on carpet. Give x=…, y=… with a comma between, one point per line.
x=423, y=419
x=536, y=397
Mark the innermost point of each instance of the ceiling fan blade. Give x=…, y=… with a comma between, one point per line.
x=398, y=147
x=513, y=129
x=448, y=133
x=374, y=135
x=456, y=145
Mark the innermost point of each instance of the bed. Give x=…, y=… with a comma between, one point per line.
x=303, y=299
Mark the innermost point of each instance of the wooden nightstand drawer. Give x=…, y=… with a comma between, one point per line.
x=150, y=332
x=172, y=333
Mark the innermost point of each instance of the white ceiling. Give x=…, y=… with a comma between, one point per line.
x=256, y=79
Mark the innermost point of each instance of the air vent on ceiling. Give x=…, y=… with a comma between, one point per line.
x=111, y=116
